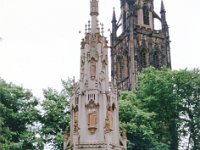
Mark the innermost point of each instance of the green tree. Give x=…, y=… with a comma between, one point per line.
x=18, y=117
x=55, y=116
x=139, y=124
x=164, y=110
x=187, y=88
x=156, y=92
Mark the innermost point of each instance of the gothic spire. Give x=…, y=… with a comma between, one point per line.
x=162, y=10
x=114, y=20
x=163, y=13
x=114, y=24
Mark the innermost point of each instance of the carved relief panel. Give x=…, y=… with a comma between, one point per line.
x=93, y=57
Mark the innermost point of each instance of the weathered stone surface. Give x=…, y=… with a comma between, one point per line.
x=94, y=104
x=139, y=45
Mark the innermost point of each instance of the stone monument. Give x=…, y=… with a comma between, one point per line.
x=94, y=103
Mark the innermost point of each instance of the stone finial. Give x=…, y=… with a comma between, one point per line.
x=102, y=29
x=89, y=26
x=86, y=29
x=106, y=43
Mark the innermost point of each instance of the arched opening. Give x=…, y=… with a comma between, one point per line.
x=156, y=59
x=146, y=14
x=124, y=20
x=93, y=68
x=143, y=58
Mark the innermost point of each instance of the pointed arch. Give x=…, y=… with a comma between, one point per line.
x=124, y=20
x=125, y=66
x=93, y=68
x=143, y=56
x=156, y=58
x=145, y=14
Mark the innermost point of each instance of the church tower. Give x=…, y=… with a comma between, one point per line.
x=94, y=103
x=139, y=45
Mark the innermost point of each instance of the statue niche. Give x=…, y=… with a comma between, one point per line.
x=93, y=68
x=93, y=57
x=109, y=120
x=82, y=67
x=92, y=117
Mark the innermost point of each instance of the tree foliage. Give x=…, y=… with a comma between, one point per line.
x=163, y=111
x=139, y=124
x=156, y=92
x=159, y=114
x=55, y=117
x=18, y=115
x=187, y=89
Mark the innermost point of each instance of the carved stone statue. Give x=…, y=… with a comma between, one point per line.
x=97, y=37
x=107, y=125
x=106, y=43
x=92, y=119
x=110, y=117
x=101, y=76
x=75, y=127
x=82, y=44
x=88, y=56
x=82, y=60
x=76, y=120
x=82, y=68
x=104, y=63
x=93, y=69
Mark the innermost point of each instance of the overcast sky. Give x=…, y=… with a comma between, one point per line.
x=41, y=42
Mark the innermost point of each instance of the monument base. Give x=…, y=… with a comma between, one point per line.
x=95, y=146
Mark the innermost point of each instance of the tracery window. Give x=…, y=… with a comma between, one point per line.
x=124, y=20
x=143, y=58
x=156, y=59
x=91, y=97
x=145, y=14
